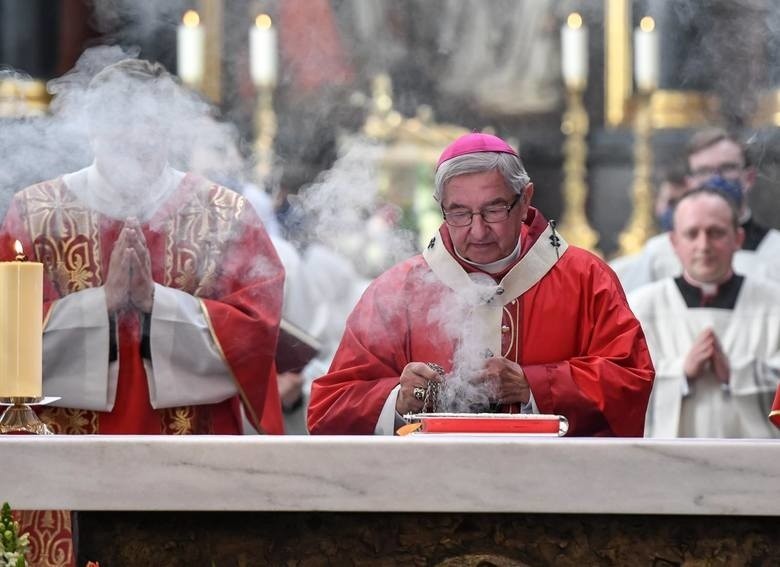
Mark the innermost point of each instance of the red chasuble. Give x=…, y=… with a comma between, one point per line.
x=205, y=240
x=571, y=330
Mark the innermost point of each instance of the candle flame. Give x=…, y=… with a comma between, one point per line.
x=574, y=20
x=18, y=247
x=190, y=19
x=263, y=21
x=647, y=24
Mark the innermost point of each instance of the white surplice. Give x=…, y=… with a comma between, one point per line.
x=750, y=337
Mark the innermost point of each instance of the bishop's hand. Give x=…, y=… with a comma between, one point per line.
x=507, y=381
x=414, y=382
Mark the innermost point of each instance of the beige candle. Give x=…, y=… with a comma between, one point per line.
x=262, y=52
x=21, y=327
x=574, y=52
x=190, y=49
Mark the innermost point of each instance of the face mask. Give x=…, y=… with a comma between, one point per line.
x=731, y=188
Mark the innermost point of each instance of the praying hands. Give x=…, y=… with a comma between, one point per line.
x=129, y=282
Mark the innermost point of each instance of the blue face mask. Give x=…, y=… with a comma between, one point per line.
x=731, y=188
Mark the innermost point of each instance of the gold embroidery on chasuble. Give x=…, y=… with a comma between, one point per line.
x=65, y=236
x=51, y=537
x=69, y=421
x=197, y=236
x=185, y=420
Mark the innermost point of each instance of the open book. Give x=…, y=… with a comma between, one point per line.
x=295, y=348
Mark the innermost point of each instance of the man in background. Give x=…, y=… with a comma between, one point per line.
x=714, y=335
x=716, y=157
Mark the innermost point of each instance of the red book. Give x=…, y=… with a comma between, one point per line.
x=491, y=423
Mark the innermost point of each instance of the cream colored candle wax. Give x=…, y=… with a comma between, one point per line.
x=21, y=328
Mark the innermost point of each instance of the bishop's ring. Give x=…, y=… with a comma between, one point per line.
x=418, y=393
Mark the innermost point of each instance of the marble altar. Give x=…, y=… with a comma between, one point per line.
x=412, y=474
x=421, y=500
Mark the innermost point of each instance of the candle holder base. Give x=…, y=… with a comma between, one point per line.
x=19, y=417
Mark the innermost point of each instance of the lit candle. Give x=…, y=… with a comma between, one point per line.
x=646, y=55
x=574, y=52
x=190, y=46
x=21, y=327
x=262, y=52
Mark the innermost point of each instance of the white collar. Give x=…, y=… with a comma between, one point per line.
x=96, y=192
x=494, y=267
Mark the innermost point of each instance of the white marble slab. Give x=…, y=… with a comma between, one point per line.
x=424, y=473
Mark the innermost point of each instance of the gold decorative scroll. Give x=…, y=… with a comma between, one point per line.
x=574, y=223
x=617, y=60
x=768, y=111
x=683, y=109
x=640, y=226
x=23, y=97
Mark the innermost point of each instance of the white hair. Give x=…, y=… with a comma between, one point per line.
x=509, y=166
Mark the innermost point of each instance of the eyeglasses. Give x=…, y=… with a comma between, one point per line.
x=491, y=214
x=729, y=170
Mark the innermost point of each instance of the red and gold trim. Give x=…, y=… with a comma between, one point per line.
x=51, y=537
x=774, y=415
x=253, y=417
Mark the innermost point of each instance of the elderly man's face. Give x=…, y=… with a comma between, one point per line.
x=704, y=238
x=484, y=242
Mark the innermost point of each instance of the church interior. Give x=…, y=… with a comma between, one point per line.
x=332, y=114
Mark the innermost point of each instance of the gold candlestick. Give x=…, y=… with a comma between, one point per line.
x=640, y=226
x=265, y=131
x=19, y=417
x=574, y=222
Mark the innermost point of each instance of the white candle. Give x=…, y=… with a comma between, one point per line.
x=262, y=52
x=190, y=47
x=574, y=52
x=21, y=322
x=646, y=56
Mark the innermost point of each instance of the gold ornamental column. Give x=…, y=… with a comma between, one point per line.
x=213, y=15
x=263, y=68
x=640, y=226
x=574, y=223
x=574, y=125
x=646, y=66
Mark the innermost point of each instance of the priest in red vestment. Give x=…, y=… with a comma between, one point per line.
x=497, y=301
x=162, y=290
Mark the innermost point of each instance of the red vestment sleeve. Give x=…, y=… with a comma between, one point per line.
x=245, y=319
x=603, y=388
x=367, y=365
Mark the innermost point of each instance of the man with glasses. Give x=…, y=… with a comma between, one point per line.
x=716, y=159
x=499, y=305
